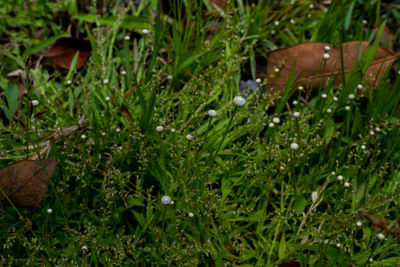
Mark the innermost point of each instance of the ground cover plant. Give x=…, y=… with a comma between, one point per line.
x=175, y=144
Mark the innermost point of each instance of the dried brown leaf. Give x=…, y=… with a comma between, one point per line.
x=62, y=52
x=308, y=60
x=377, y=222
x=25, y=182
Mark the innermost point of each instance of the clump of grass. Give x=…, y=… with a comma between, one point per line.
x=276, y=180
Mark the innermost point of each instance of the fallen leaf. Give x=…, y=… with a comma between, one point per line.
x=289, y=264
x=377, y=222
x=62, y=51
x=25, y=182
x=308, y=60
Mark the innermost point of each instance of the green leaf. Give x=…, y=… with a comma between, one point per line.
x=299, y=205
x=329, y=130
x=134, y=202
x=140, y=218
x=282, y=247
x=349, y=14
x=11, y=93
x=128, y=22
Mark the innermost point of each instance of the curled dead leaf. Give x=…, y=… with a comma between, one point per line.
x=62, y=52
x=309, y=67
x=25, y=182
x=377, y=222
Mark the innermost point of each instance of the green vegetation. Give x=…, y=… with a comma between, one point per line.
x=280, y=179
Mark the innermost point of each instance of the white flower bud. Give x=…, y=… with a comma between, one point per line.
x=35, y=103
x=294, y=146
x=166, y=200
x=212, y=113
x=239, y=101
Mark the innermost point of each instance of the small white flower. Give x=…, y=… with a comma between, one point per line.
x=120, y=147
x=127, y=37
x=324, y=96
x=346, y=184
x=159, y=129
x=172, y=130
x=314, y=196
x=328, y=110
x=292, y=21
x=338, y=245
x=340, y=178
x=295, y=102
x=327, y=48
x=69, y=82
x=172, y=202
x=103, y=134
x=351, y=96
x=294, y=146
x=276, y=22
x=310, y=6
x=271, y=125
x=169, y=77
x=377, y=129
x=166, y=200
x=371, y=132
x=365, y=22
x=296, y=114
x=326, y=56
x=35, y=103
x=358, y=224
x=145, y=31
x=276, y=120
x=107, y=98
x=273, y=32
x=123, y=72
x=359, y=87
x=83, y=136
x=333, y=173
x=276, y=69
x=363, y=147
x=212, y=113
x=105, y=81
x=258, y=80
x=347, y=108
x=191, y=214
x=49, y=211
x=118, y=130
x=239, y=101
x=398, y=72
x=335, y=98
x=380, y=236
x=189, y=137
x=300, y=88
x=84, y=247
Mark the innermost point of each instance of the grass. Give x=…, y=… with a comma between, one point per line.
x=243, y=194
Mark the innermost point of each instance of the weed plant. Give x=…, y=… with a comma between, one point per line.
x=257, y=181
